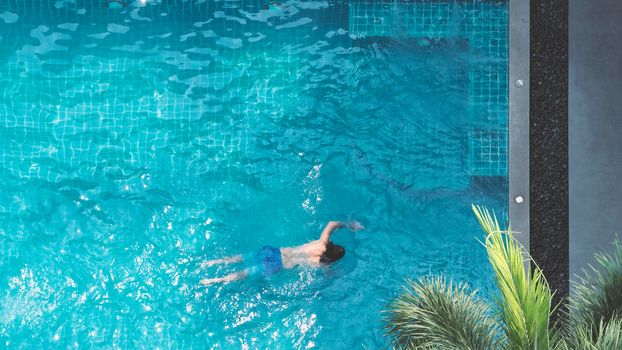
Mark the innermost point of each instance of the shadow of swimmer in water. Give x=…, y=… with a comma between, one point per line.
x=476, y=184
x=269, y=260
x=361, y=160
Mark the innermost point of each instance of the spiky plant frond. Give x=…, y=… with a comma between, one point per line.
x=598, y=296
x=432, y=313
x=525, y=301
x=606, y=336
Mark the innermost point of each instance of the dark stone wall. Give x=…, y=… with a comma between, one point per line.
x=548, y=160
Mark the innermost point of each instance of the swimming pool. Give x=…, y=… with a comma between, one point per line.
x=138, y=139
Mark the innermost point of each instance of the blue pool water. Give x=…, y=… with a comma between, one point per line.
x=139, y=139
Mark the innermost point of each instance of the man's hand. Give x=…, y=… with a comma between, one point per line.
x=336, y=224
x=355, y=226
x=333, y=225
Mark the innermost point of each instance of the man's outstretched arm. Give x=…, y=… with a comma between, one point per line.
x=333, y=225
x=328, y=230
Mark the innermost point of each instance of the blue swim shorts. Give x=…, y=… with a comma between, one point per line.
x=267, y=261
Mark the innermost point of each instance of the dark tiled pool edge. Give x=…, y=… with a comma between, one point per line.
x=548, y=135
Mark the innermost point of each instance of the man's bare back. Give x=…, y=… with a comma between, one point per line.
x=272, y=260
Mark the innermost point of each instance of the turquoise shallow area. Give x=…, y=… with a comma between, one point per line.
x=138, y=141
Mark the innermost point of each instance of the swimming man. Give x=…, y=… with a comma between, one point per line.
x=269, y=260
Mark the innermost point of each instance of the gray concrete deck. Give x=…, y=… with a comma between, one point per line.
x=595, y=128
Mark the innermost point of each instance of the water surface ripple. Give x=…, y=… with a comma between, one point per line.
x=136, y=142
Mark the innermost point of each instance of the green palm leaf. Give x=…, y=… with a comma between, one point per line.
x=525, y=301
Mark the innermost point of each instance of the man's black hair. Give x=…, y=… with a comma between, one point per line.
x=333, y=253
